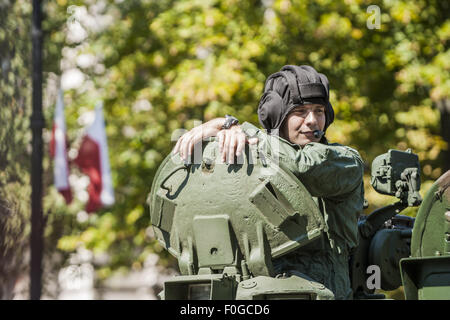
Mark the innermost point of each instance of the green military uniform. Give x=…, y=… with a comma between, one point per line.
x=333, y=174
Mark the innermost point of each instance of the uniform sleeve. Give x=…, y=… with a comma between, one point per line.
x=329, y=170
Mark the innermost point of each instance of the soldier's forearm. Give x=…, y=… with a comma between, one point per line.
x=216, y=123
x=212, y=127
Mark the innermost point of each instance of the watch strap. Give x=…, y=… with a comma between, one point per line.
x=229, y=122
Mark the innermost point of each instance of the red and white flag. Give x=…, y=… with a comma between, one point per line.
x=93, y=161
x=58, y=151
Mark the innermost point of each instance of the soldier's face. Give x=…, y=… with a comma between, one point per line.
x=301, y=122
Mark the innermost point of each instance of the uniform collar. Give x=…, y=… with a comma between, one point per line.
x=296, y=146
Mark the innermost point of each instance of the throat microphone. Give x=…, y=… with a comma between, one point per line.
x=318, y=133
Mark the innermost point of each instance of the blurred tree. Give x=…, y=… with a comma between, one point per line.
x=15, y=140
x=164, y=65
x=174, y=62
x=15, y=80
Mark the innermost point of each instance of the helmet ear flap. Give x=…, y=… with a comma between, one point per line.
x=326, y=84
x=329, y=115
x=329, y=112
x=268, y=106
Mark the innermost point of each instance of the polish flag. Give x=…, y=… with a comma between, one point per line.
x=94, y=162
x=58, y=151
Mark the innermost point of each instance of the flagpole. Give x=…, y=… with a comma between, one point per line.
x=37, y=125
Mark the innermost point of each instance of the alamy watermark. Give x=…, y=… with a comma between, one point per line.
x=374, y=20
x=374, y=280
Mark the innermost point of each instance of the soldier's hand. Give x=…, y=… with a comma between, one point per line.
x=185, y=144
x=232, y=142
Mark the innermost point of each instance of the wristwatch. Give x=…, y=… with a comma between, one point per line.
x=229, y=122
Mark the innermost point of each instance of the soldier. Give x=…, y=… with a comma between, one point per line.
x=295, y=111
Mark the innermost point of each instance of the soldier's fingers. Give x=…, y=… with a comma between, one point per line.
x=231, y=148
x=192, y=143
x=196, y=143
x=241, y=144
x=225, y=145
x=253, y=141
x=185, y=146
x=190, y=147
x=180, y=147
x=177, y=145
x=221, y=140
x=199, y=136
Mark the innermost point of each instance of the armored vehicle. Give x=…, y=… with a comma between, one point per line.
x=226, y=223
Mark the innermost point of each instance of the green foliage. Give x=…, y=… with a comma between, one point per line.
x=14, y=140
x=187, y=61
x=164, y=65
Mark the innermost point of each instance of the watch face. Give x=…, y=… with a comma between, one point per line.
x=230, y=121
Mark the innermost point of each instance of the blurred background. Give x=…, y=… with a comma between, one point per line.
x=162, y=65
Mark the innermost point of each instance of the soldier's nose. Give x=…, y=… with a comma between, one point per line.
x=311, y=119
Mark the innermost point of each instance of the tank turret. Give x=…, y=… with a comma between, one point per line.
x=426, y=274
x=226, y=222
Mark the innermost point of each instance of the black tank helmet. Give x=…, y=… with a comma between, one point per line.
x=288, y=88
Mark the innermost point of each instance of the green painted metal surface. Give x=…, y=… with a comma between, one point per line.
x=293, y=287
x=426, y=278
x=384, y=235
x=426, y=274
x=396, y=173
x=431, y=225
x=211, y=215
x=226, y=223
